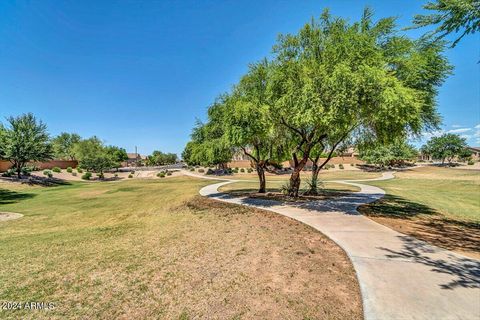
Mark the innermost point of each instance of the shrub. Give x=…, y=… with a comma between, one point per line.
x=26, y=171
x=340, y=166
x=236, y=168
x=470, y=162
x=48, y=173
x=69, y=169
x=8, y=173
x=74, y=174
x=56, y=169
x=192, y=169
x=242, y=170
x=332, y=166
x=100, y=175
x=87, y=176
x=161, y=174
x=79, y=170
x=201, y=170
x=169, y=173
x=249, y=170
x=210, y=171
x=352, y=164
x=130, y=176
x=116, y=175
x=132, y=172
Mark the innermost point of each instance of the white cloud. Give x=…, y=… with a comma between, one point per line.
x=476, y=135
x=460, y=130
x=457, y=126
x=428, y=135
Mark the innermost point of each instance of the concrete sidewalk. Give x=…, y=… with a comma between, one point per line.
x=400, y=277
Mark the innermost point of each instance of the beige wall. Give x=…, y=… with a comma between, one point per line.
x=62, y=164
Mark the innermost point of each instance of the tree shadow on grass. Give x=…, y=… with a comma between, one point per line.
x=425, y=223
x=34, y=180
x=9, y=196
x=396, y=207
x=463, y=271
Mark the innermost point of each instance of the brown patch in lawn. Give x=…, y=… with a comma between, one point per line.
x=425, y=223
x=263, y=266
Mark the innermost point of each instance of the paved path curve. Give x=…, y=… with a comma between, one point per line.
x=400, y=277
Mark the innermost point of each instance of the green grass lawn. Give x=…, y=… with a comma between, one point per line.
x=437, y=205
x=451, y=192
x=143, y=249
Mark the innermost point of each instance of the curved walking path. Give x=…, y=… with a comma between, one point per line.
x=400, y=277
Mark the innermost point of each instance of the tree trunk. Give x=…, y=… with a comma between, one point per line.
x=261, y=178
x=313, y=183
x=19, y=171
x=295, y=180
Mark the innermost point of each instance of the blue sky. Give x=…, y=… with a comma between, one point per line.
x=140, y=72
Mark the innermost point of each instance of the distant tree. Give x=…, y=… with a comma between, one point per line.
x=187, y=154
x=465, y=155
x=25, y=139
x=63, y=145
x=445, y=147
x=92, y=155
x=117, y=154
x=450, y=16
x=158, y=158
x=397, y=153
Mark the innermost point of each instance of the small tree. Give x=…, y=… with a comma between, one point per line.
x=465, y=155
x=117, y=154
x=445, y=147
x=92, y=155
x=25, y=139
x=158, y=158
x=63, y=145
x=397, y=153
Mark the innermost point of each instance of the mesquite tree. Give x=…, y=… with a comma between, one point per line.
x=248, y=123
x=352, y=81
x=209, y=145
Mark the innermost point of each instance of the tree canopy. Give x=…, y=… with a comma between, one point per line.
x=25, y=139
x=445, y=147
x=331, y=83
x=92, y=155
x=450, y=16
x=63, y=145
x=209, y=145
x=394, y=154
x=158, y=158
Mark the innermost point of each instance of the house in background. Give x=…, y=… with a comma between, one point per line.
x=134, y=160
x=475, y=153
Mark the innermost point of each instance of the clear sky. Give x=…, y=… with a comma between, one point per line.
x=140, y=72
